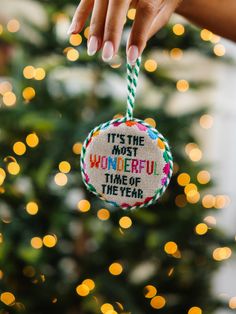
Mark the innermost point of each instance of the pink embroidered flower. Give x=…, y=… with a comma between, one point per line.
x=86, y=178
x=141, y=127
x=163, y=181
x=117, y=123
x=166, y=169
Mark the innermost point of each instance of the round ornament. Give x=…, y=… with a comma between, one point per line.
x=125, y=161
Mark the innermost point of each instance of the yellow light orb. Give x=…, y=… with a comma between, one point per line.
x=189, y=147
x=2, y=175
x=210, y=220
x=32, y=140
x=75, y=39
x=193, y=197
x=86, y=32
x=49, y=240
x=201, y=229
x=32, y=208
x=72, y=54
x=77, y=148
x=28, y=93
x=13, y=168
x=150, y=291
x=189, y=188
x=203, y=177
x=151, y=121
x=222, y=253
x=195, y=154
x=125, y=222
x=1, y=29
x=29, y=72
x=61, y=179
x=195, y=310
x=220, y=201
x=215, y=39
x=13, y=26
x=7, y=298
x=36, y=243
x=171, y=247
x=9, y=99
x=89, y=283
x=158, y=302
x=206, y=121
x=206, y=35
x=182, y=86
x=232, y=303
x=219, y=50
x=106, y=307
x=19, y=148
x=115, y=269
x=183, y=179
x=5, y=87
x=176, y=53
x=84, y=206
x=82, y=290
x=150, y=65
x=103, y=214
x=39, y=74
x=131, y=14
x=208, y=201
x=64, y=166
x=178, y=29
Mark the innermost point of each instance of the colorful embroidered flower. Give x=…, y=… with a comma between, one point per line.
x=152, y=135
x=141, y=127
x=117, y=123
x=166, y=169
x=163, y=180
x=130, y=123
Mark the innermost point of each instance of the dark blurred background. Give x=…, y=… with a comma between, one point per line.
x=61, y=249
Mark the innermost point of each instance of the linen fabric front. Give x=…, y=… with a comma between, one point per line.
x=125, y=163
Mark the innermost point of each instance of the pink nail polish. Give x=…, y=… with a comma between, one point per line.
x=92, y=45
x=108, y=51
x=132, y=54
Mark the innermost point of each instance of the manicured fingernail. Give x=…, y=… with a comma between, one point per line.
x=72, y=28
x=132, y=54
x=92, y=45
x=108, y=51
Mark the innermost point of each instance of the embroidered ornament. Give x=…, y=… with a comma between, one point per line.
x=126, y=162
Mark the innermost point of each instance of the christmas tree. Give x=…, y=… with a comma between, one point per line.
x=63, y=250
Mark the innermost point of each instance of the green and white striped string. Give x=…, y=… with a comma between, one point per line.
x=132, y=80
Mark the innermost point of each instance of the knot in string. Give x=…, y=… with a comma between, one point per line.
x=132, y=79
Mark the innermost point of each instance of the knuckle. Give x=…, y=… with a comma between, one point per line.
x=148, y=7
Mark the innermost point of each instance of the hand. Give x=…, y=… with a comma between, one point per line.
x=107, y=22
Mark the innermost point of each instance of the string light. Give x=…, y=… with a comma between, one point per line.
x=221, y=253
x=72, y=54
x=193, y=197
x=1, y=29
x=106, y=307
x=150, y=291
x=77, y=148
x=75, y=39
x=208, y=201
x=28, y=93
x=170, y=247
x=84, y=206
x=203, y=177
x=36, y=243
x=201, y=229
x=158, y=302
x=195, y=154
x=183, y=179
x=86, y=32
x=2, y=175
x=64, y=166
x=7, y=298
x=220, y=201
x=32, y=140
x=49, y=240
x=150, y=65
x=176, y=53
x=232, y=303
x=125, y=222
x=178, y=29
x=29, y=72
x=206, y=35
x=9, y=99
x=206, y=121
x=219, y=50
x=19, y=148
x=131, y=14
x=115, y=269
x=103, y=214
x=13, y=26
x=182, y=86
x=60, y=179
x=82, y=290
x=195, y=310
x=32, y=208
x=89, y=283
x=13, y=168
x=39, y=74
x=151, y=122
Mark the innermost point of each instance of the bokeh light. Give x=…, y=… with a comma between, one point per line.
x=82, y=290
x=84, y=206
x=2, y=175
x=219, y=50
x=195, y=310
x=19, y=148
x=64, y=166
x=7, y=298
x=150, y=291
x=36, y=243
x=39, y=74
x=178, y=29
x=89, y=283
x=150, y=65
x=183, y=179
x=208, y=201
x=72, y=54
x=182, y=86
x=171, y=247
x=61, y=179
x=195, y=154
x=77, y=148
x=222, y=253
x=9, y=99
x=29, y=72
x=206, y=121
x=158, y=302
x=176, y=53
x=13, y=168
x=28, y=93
x=201, y=229
x=75, y=39
x=203, y=177
x=32, y=140
x=115, y=269
x=32, y=208
x=103, y=214
x=131, y=14
x=232, y=303
x=125, y=222
x=49, y=240
x=13, y=26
